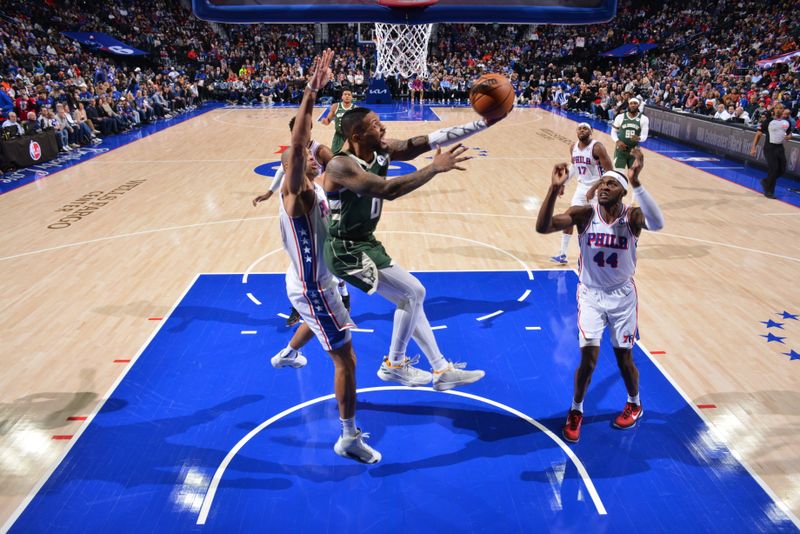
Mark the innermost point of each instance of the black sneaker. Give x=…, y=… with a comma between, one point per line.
x=294, y=318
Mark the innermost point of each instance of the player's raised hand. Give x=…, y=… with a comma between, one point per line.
x=447, y=161
x=559, y=176
x=321, y=70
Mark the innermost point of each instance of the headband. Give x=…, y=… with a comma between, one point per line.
x=619, y=177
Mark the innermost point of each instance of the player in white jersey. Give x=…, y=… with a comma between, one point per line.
x=319, y=156
x=309, y=284
x=608, y=234
x=589, y=159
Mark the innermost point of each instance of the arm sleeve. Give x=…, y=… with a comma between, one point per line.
x=455, y=134
x=652, y=213
x=615, y=127
x=276, y=181
x=645, y=129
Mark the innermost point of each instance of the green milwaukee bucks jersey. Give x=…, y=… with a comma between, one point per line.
x=354, y=217
x=338, y=137
x=337, y=118
x=629, y=128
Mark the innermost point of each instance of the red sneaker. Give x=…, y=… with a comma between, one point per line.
x=629, y=416
x=572, y=428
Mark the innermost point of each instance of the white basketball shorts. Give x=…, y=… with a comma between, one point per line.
x=617, y=308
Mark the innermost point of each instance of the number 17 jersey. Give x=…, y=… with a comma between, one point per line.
x=608, y=251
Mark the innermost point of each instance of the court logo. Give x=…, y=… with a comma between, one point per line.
x=35, y=150
x=783, y=333
x=396, y=168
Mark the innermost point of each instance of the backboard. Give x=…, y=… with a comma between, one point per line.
x=472, y=11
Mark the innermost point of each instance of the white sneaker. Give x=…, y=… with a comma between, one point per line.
x=354, y=447
x=405, y=373
x=455, y=375
x=288, y=358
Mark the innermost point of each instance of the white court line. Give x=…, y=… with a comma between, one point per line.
x=366, y=330
x=255, y=300
x=533, y=328
x=212, y=488
x=524, y=295
x=731, y=246
x=249, y=332
x=487, y=245
x=252, y=265
x=440, y=327
x=447, y=213
x=493, y=314
x=96, y=409
x=283, y=316
x=712, y=429
x=783, y=214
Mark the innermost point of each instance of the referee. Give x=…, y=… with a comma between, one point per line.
x=777, y=129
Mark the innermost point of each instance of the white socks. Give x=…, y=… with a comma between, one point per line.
x=577, y=406
x=565, y=243
x=634, y=400
x=349, y=429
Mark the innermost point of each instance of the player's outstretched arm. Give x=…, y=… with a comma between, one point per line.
x=295, y=181
x=327, y=119
x=648, y=216
x=415, y=146
x=546, y=222
x=344, y=172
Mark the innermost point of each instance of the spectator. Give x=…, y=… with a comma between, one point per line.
x=11, y=122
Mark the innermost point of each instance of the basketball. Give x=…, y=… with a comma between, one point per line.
x=492, y=96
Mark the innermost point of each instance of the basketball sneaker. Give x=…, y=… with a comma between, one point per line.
x=354, y=447
x=572, y=428
x=629, y=416
x=455, y=375
x=561, y=258
x=294, y=318
x=405, y=373
x=288, y=358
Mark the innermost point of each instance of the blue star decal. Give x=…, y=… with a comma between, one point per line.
x=793, y=355
x=772, y=324
x=787, y=315
x=771, y=337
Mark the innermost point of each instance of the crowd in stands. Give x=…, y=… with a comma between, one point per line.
x=705, y=62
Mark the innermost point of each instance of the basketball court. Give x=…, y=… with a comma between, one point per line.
x=144, y=296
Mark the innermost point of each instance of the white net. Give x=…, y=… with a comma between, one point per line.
x=402, y=49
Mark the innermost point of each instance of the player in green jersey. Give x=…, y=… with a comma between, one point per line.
x=628, y=131
x=335, y=115
x=356, y=185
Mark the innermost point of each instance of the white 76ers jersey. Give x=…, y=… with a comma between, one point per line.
x=608, y=251
x=303, y=238
x=586, y=167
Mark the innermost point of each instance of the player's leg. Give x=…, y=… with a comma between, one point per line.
x=400, y=287
x=622, y=324
x=344, y=293
x=620, y=158
x=290, y=355
x=591, y=323
x=351, y=442
x=294, y=317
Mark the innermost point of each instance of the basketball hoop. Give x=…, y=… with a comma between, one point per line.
x=403, y=48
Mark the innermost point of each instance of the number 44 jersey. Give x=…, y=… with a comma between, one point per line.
x=608, y=251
